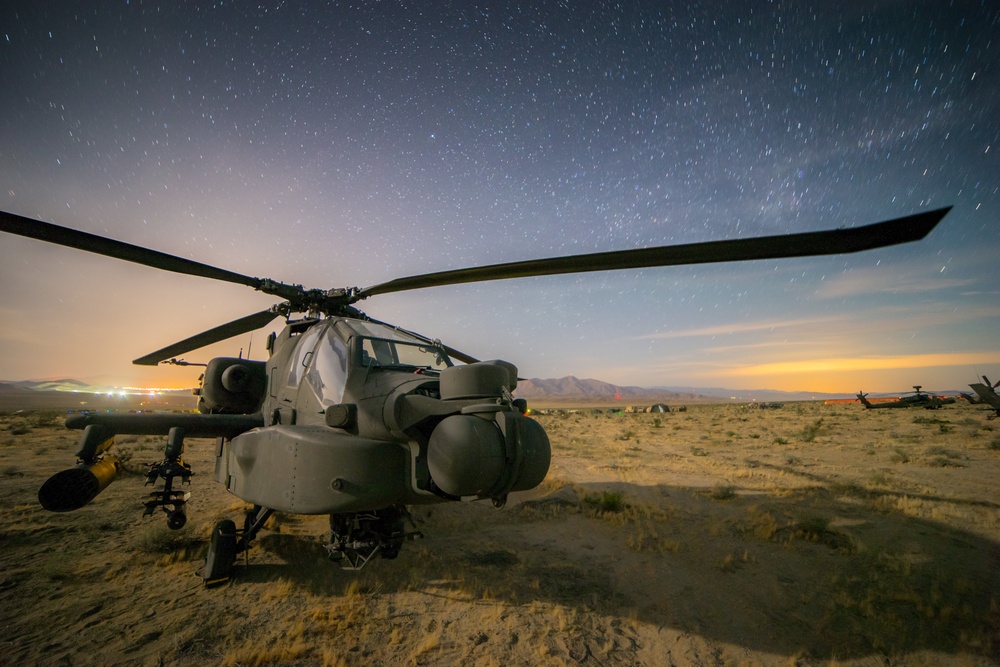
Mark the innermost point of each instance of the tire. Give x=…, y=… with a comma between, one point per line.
x=221, y=553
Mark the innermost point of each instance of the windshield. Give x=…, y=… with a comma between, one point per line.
x=383, y=353
x=328, y=372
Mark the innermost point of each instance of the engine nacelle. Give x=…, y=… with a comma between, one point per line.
x=233, y=386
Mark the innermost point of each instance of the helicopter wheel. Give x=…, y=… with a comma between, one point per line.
x=221, y=553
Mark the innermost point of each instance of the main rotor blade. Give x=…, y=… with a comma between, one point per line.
x=222, y=332
x=72, y=238
x=831, y=242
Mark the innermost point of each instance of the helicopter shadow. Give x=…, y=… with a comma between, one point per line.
x=827, y=572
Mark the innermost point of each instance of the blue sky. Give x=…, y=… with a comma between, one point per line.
x=348, y=145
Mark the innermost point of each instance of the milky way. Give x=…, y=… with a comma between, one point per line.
x=348, y=145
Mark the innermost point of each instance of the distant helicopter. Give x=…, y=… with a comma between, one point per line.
x=357, y=418
x=917, y=400
x=987, y=393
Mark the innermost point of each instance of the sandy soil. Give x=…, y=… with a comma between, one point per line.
x=806, y=535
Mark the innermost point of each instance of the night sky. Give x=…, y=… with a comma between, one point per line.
x=351, y=144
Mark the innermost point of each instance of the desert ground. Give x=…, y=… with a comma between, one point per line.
x=811, y=534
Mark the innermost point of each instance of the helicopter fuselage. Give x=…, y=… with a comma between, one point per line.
x=360, y=416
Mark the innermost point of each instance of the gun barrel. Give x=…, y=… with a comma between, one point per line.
x=71, y=489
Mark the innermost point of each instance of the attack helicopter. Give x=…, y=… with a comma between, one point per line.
x=987, y=393
x=355, y=418
x=917, y=399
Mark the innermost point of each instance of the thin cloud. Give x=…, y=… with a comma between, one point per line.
x=740, y=328
x=870, y=363
x=878, y=280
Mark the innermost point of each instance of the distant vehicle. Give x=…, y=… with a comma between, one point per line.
x=987, y=393
x=917, y=399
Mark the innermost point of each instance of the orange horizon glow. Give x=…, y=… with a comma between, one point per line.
x=835, y=375
x=856, y=364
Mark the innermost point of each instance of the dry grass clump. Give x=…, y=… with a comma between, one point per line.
x=723, y=492
x=606, y=502
x=814, y=429
x=942, y=457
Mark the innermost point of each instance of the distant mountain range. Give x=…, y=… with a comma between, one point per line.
x=52, y=385
x=565, y=388
x=573, y=387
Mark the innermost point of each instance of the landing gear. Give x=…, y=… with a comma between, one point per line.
x=221, y=553
x=227, y=542
x=356, y=538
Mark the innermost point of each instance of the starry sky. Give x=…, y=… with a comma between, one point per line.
x=347, y=144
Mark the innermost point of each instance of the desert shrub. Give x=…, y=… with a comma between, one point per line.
x=810, y=432
x=780, y=441
x=812, y=527
x=899, y=455
x=723, y=492
x=606, y=501
x=929, y=420
x=994, y=443
x=158, y=539
x=733, y=561
x=943, y=451
x=761, y=524
x=941, y=457
x=878, y=478
x=19, y=427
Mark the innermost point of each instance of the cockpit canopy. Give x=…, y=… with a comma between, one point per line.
x=327, y=352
